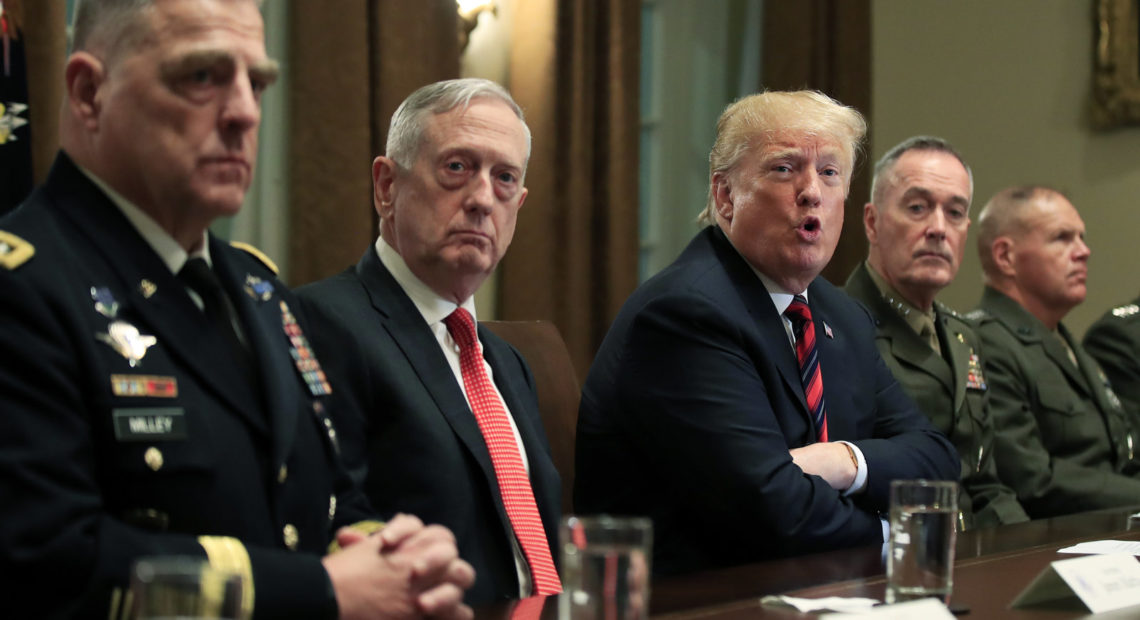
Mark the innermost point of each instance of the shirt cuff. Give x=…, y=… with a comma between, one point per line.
x=860, y=470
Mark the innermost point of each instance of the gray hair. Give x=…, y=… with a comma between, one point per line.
x=749, y=122
x=406, y=131
x=110, y=26
x=887, y=163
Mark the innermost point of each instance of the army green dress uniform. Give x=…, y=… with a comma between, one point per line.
x=126, y=430
x=950, y=388
x=1063, y=441
x=1114, y=341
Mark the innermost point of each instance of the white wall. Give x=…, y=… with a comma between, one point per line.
x=1009, y=83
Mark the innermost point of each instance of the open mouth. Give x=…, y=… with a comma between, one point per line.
x=810, y=225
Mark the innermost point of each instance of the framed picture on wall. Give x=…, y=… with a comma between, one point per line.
x=1116, y=72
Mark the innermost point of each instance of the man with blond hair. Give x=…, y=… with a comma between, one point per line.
x=916, y=227
x=739, y=399
x=159, y=394
x=1064, y=443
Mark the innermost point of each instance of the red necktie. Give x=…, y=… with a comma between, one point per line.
x=514, y=485
x=806, y=353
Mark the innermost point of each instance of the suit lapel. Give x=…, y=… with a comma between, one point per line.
x=269, y=345
x=405, y=325
x=772, y=336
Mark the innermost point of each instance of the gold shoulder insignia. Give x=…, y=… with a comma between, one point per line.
x=258, y=254
x=14, y=251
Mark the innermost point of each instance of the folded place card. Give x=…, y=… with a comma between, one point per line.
x=1102, y=582
x=925, y=608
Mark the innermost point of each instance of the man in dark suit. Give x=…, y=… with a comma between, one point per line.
x=415, y=429
x=148, y=413
x=696, y=411
x=1064, y=442
x=916, y=227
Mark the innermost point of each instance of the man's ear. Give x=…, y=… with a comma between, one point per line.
x=870, y=223
x=722, y=195
x=384, y=172
x=1003, y=253
x=84, y=74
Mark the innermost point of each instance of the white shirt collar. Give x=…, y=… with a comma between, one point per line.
x=431, y=306
x=158, y=239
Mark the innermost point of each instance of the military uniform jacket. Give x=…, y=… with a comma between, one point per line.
x=1062, y=440
x=126, y=432
x=1114, y=341
x=951, y=391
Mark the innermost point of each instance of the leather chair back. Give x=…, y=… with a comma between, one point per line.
x=558, y=389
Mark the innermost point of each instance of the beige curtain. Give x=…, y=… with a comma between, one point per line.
x=826, y=45
x=574, y=70
x=353, y=61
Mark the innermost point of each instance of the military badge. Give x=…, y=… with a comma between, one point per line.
x=10, y=120
x=144, y=385
x=147, y=288
x=105, y=303
x=302, y=353
x=974, y=378
x=257, y=288
x=126, y=340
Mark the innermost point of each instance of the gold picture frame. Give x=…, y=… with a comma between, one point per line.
x=1116, y=73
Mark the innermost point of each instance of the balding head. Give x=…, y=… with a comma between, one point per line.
x=1032, y=248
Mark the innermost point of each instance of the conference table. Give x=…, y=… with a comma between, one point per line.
x=992, y=566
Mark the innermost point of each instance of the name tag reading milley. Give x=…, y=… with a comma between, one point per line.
x=149, y=424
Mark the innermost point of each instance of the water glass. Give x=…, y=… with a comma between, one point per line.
x=177, y=587
x=606, y=566
x=920, y=557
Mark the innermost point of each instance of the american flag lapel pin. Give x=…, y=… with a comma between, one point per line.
x=827, y=331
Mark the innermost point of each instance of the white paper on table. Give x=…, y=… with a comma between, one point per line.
x=827, y=603
x=926, y=608
x=1097, y=547
x=1103, y=582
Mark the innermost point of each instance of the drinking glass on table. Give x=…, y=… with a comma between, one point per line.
x=177, y=587
x=606, y=565
x=920, y=555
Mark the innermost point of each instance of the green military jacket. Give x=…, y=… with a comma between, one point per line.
x=1114, y=341
x=1063, y=441
x=951, y=391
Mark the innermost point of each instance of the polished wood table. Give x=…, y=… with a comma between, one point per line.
x=991, y=567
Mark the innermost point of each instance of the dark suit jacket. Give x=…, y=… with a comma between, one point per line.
x=941, y=386
x=406, y=429
x=694, y=400
x=81, y=495
x=1064, y=443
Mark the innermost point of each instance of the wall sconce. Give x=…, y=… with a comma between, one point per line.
x=469, y=11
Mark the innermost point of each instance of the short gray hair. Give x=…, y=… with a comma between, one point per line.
x=887, y=163
x=110, y=26
x=406, y=131
x=1005, y=215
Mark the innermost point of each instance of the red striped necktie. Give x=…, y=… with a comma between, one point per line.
x=808, y=356
x=514, y=485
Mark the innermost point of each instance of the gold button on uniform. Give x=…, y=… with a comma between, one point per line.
x=332, y=507
x=153, y=458
x=282, y=474
x=291, y=537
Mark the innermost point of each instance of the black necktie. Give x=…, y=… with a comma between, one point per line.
x=197, y=275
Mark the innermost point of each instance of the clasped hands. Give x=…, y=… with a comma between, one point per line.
x=406, y=570
x=833, y=461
